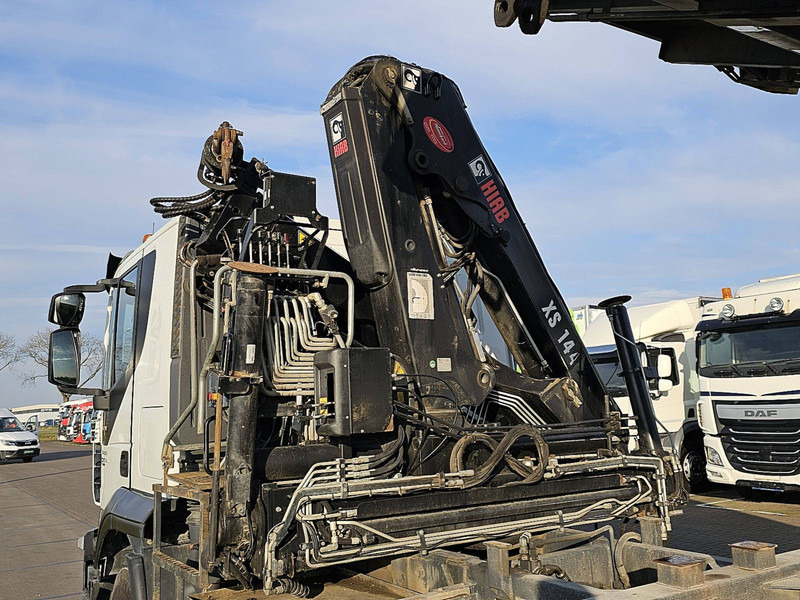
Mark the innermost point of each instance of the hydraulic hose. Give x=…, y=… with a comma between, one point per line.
x=499, y=450
x=183, y=205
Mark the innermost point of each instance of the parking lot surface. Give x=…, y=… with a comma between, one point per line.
x=46, y=505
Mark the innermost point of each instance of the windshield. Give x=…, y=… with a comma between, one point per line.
x=611, y=373
x=756, y=351
x=10, y=424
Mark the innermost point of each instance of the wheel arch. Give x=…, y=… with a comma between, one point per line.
x=125, y=521
x=689, y=431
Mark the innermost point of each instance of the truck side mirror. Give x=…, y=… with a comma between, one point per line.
x=664, y=363
x=64, y=360
x=66, y=309
x=664, y=385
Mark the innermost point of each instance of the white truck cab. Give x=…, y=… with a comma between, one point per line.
x=666, y=331
x=748, y=362
x=17, y=440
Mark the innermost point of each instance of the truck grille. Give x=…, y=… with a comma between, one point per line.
x=766, y=447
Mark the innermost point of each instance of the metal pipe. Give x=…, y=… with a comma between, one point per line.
x=201, y=412
x=518, y=318
x=166, y=454
x=138, y=580
x=202, y=383
x=631, y=365
x=351, y=292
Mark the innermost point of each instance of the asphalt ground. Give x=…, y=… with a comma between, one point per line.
x=46, y=505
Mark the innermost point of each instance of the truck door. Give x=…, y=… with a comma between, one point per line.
x=119, y=376
x=32, y=424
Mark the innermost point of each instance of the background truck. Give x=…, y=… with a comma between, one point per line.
x=749, y=377
x=666, y=331
x=67, y=417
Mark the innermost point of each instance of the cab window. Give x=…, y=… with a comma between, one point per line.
x=120, y=333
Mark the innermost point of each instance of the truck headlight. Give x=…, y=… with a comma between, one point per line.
x=776, y=304
x=713, y=457
x=728, y=311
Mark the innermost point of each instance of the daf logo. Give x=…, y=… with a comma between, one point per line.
x=760, y=414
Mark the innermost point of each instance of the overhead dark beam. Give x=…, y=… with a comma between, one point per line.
x=680, y=4
x=768, y=36
x=706, y=44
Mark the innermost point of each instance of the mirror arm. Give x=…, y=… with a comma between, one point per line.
x=102, y=285
x=81, y=391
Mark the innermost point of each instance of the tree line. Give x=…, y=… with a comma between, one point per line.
x=28, y=359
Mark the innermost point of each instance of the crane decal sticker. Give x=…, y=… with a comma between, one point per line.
x=438, y=135
x=412, y=79
x=338, y=135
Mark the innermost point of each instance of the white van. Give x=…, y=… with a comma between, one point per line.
x=16, y=441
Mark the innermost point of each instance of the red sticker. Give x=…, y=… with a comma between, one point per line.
x=438, y=134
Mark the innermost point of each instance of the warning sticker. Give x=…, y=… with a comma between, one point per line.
x=444, y=365
x=250, y=354
x=480, y=170
x=420, y=295
x=412, y=79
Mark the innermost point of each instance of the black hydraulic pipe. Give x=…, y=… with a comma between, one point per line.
x=137, y=576
x=631, y=365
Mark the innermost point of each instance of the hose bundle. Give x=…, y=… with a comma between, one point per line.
x=500, y=453
x=176, y=206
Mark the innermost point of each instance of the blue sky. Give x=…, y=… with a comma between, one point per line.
x=634, y=176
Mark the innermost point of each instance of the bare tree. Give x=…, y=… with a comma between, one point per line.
x=37, y=347
x=9, y=353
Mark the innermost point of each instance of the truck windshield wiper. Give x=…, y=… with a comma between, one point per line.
x=730, y=368
x=790, y=365
x=761, y=363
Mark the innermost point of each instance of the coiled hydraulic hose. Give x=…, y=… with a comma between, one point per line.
x=499, y=453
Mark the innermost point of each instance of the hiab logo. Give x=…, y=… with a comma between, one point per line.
x=337, y=128
x=412, y=79
x=480, y=170
x=338, y=136
x=495, y=201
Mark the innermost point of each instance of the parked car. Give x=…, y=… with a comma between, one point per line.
x=17, y=440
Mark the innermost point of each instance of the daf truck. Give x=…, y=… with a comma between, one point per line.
x=748, y=362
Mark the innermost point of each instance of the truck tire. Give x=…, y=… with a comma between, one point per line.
x=122, y=586
x=693, y=463
x=27, y=459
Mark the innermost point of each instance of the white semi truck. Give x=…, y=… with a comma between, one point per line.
x=666, y=331
x=749, y=376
